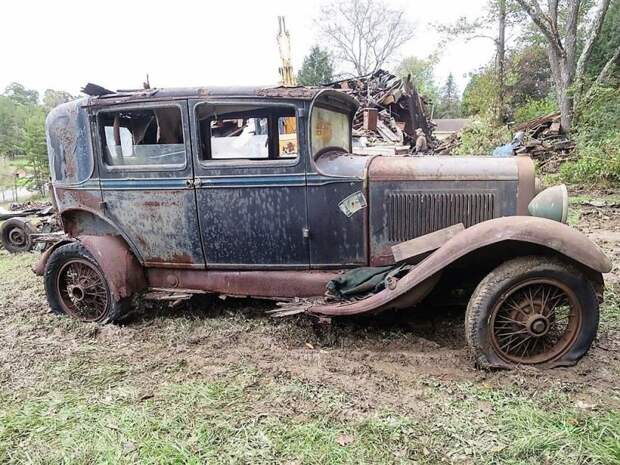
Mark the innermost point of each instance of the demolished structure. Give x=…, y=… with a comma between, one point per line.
x=390, y=112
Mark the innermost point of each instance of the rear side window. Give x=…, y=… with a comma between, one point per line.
x=143, y=137
x=247, y=132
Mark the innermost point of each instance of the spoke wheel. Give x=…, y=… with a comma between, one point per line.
x=535, y=321
x=82, y=290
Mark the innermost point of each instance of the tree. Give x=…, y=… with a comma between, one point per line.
x=421, y=71
x=52, y=98
x=499, y=15
x=317, y=68
x=449, y=102
x=17, y=92
x=35, y=149
x=560, y=29
x=363, y=34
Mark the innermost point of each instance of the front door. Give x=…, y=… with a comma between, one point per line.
x=147, y=181
x=250, y=185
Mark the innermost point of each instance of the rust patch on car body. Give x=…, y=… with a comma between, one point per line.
x=272, y=284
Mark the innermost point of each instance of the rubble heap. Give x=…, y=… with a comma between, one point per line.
x=543, y=141
x=390, y=108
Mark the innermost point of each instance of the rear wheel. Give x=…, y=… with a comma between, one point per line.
x=76, y=286
x=16, y=235
x=532, y=311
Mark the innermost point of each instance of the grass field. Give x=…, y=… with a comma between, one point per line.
x=221, y=383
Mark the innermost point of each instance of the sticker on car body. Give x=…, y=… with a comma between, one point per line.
x=353, y=203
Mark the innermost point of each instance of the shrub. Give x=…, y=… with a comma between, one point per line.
x=535, y=108
x=481, y=136
x=597, y=134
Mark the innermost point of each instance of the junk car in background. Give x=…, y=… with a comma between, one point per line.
x=255, y=192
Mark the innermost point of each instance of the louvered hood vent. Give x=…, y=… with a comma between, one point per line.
x=411, y=215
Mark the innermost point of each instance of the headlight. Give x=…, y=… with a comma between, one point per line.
x=551, y=203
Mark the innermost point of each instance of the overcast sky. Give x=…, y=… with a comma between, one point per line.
x=62, y=44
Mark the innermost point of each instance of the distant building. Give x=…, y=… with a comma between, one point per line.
x=445, y=127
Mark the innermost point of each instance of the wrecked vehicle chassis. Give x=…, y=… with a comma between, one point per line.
x=256, y=192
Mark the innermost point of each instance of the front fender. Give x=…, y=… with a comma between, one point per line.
x=556, y=236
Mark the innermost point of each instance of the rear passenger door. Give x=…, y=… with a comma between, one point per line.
x=147, y=181
x=250, y=184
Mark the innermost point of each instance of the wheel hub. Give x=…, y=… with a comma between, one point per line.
x=76, y=293
x=17, y=237
x=537, y=325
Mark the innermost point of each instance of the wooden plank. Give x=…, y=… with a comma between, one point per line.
x=424, y=244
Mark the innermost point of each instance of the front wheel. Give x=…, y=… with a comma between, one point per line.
x=532, y=311
x=76, y=286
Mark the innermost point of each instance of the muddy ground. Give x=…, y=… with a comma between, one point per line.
x=416, y=366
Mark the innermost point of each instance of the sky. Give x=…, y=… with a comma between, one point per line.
x=63, y=44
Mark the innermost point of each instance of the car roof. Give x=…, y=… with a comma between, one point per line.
x=121, y=96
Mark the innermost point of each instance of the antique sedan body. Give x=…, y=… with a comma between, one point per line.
x=256, y=192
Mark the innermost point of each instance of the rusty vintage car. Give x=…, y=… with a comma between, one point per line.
x=256, y=192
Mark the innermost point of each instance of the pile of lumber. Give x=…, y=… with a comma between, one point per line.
x=544, y=141
x=390, y=108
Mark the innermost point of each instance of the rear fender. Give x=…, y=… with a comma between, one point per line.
x=120, y=267
x=122, y=270
x=552, y=235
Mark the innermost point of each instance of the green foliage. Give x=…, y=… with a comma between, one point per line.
x=52, y=98
x=35, y=148
x=608, y=40
x=317, y=68
x=22, y=133
x=481, y=136
x=18, y=93
x=534, y=108
x=480, y=94
x=449, y=102
x=528, y=76
x=421, y=71
x=598, y=140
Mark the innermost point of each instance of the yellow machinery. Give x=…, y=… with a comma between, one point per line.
x=288, y=134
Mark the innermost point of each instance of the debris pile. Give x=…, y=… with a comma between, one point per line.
x=543, y=141
x=541, y=138
x=449, y=144
x=390, y=108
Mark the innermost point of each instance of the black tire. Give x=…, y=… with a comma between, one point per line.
x=15, y=233
x=538, y=303
x=76, y=286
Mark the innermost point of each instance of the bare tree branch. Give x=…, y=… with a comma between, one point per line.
x=364, y=34
x=608, y=68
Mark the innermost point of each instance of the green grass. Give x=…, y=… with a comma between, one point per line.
x=241, y=419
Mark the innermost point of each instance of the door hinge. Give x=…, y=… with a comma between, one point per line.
x=193, y=182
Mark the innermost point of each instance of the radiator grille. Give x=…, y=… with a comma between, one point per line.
x=415, y=214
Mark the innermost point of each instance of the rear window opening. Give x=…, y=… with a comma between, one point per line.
x=143, y=137
x=247, y=132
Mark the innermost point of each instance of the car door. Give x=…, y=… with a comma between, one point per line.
x=147, y=180
x=250, y=184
